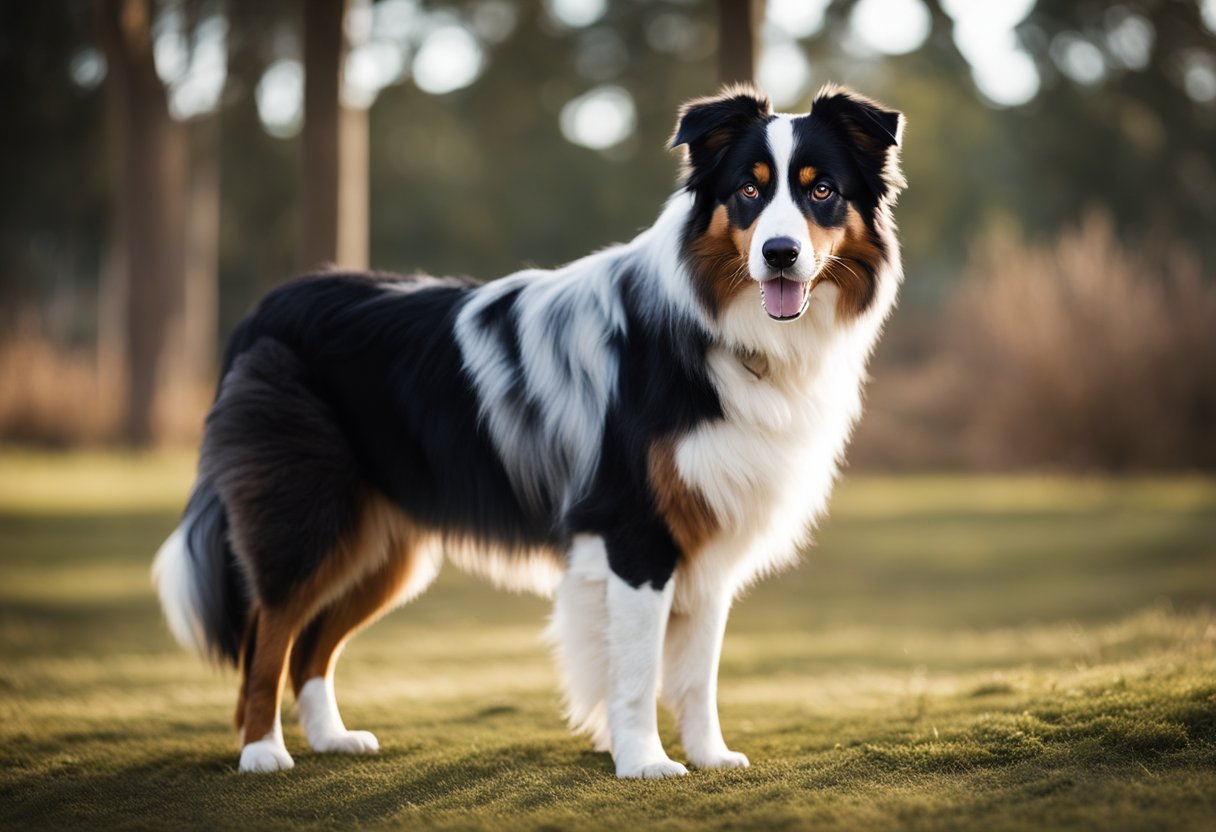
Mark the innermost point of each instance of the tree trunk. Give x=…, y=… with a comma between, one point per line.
x=200, y=302
x=334, y=177
x=112, y=288
x=739, y=23
x=149, y=180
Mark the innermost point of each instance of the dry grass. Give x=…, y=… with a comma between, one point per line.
x=1083, y=354
x=956, y=653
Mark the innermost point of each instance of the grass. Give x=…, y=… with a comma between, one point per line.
x=956, y=653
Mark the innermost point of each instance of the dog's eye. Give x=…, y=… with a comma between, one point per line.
x=822, y=191
x=749, y=191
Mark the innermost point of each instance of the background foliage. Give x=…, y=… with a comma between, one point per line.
x=1119, y=123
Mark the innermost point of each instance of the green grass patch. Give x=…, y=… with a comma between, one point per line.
x=954, y=653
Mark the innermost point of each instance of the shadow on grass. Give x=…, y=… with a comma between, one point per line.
x=1058, y=752
x=202, y=788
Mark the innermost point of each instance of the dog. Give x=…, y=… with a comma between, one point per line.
x=641, y=434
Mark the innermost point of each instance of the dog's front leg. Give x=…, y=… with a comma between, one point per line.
x=637, y=621
x=691, y=654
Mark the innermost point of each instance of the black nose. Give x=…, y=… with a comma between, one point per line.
x=780, y=252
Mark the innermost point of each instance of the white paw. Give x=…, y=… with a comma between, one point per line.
x=720, y=759
x=265, y=755
x=346, y=742
x=654, y=770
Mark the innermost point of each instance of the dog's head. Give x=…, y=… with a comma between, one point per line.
x=785, y=202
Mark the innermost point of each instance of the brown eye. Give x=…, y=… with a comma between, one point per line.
x=822, y=191
x=749, y=191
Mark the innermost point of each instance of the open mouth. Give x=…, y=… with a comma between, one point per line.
x=784, y=299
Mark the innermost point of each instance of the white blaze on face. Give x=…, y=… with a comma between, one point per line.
x=781, y=217
x=784, y=291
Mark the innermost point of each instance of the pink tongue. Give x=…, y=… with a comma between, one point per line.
x=782, y=298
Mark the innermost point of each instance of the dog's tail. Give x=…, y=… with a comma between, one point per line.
x=201, y=585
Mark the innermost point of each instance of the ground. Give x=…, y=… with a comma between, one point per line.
x=954, y=653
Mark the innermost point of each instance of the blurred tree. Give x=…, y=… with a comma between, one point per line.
x=151, y=173
x=260, y=179
x=739, y=23
x=200, y=292
x=1112, y=125
x=486, y=177
x=198, y=322
x=56, y=175
x=1126, y=117
x=334, y=174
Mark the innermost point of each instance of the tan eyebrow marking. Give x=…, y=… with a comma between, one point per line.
x=806, y=176
x=762, y=173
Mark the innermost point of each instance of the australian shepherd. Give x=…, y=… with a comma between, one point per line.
x=639, y=434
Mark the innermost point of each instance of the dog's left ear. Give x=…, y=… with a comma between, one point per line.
x=709, y=125
x=873, y=133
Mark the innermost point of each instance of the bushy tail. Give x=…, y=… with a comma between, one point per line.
x=199, y=581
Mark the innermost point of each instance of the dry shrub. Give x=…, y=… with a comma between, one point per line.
x=57, y=396
x=51, y=395
x=1082, y=354
x=180, y=410
x=906, y=426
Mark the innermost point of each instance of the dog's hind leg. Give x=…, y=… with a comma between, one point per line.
x=410, y=567
x=292, y=493
x=248, y=643
x=263, y=690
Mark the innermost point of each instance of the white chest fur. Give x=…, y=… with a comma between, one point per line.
x=767, y=468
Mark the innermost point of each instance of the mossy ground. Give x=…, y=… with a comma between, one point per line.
x=991, y=653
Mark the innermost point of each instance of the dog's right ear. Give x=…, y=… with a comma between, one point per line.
x=707, y=126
